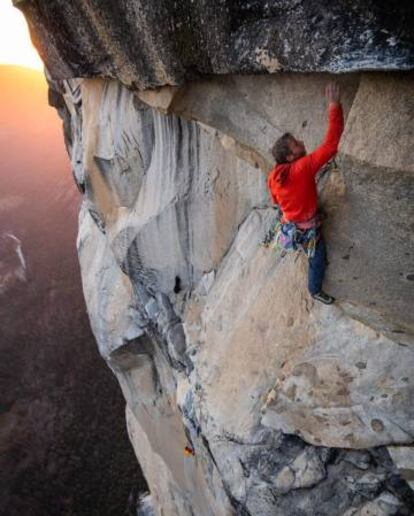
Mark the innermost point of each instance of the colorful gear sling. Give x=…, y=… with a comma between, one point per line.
x=289, y=237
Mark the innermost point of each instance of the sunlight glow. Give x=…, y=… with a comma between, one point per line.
x=15, y=45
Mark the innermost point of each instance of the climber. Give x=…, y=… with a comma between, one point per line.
x=293, y=187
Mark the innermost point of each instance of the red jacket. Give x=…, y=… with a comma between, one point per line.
x=292, y=185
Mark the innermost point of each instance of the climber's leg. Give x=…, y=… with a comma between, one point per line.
x=317, y=266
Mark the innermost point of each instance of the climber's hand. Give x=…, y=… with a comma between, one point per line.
x=332, y=92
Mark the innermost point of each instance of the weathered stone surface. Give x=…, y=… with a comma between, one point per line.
x=214, y=339
x=176, y=193
x=370, y=228
x=255, y=110
x=403, y=456
x=384, y=106
x=305, y=471
x=273, y=105
x=385, y=505
x=154, y=425
x=149, y=44
x=324, y=388
x=116, y=320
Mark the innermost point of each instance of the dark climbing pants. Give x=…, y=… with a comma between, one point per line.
x=317, y=266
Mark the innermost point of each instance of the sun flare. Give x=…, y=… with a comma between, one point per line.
x=15, y=45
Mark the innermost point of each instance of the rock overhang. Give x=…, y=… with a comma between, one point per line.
x=148, y=44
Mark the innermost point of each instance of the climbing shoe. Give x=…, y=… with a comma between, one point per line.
x=323, y=297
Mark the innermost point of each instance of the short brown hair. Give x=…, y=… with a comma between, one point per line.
x=281, y=149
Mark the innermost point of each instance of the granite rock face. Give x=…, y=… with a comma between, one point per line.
x=148, y=44
x=214, y=339
x=243, y=395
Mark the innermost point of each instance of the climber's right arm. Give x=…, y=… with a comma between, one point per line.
x=321, y=155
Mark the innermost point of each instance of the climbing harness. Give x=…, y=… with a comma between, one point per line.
x=291, y=237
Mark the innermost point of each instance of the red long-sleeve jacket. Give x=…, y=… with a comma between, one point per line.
x=292, y=185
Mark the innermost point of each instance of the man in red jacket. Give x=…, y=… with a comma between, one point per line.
x=293, y=187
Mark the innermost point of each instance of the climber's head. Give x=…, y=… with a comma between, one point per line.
x=287, y=149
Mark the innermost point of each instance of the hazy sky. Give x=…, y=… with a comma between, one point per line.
x=15, y=44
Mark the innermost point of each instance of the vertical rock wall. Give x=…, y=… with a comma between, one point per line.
x=281, y=403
